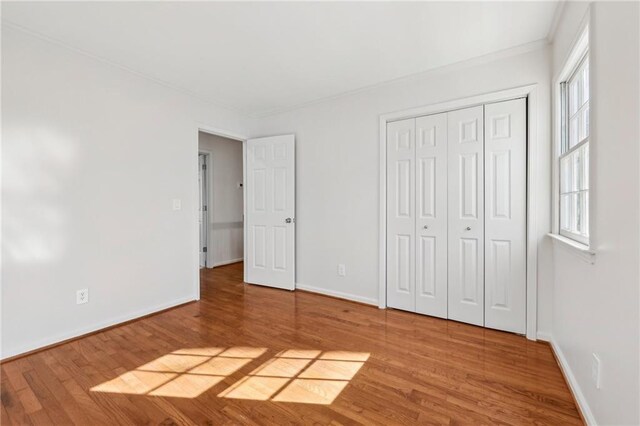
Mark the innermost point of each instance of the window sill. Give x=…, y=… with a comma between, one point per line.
x=579, y=250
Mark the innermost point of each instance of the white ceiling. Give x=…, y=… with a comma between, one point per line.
x=264, y=57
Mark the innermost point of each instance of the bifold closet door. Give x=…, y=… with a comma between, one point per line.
x=431, y=215
x=505, y=220
x=401, y=213
x=466, y=215
x=456, y=215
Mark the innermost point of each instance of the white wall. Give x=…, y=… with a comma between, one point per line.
x=92, y=158
x=337, y=188
x=596, y=307
x=226, y=205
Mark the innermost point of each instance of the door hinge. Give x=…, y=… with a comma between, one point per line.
x=204, y=249
x=204, y=167
x=204, y=208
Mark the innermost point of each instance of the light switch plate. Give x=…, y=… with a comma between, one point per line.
x=177, y=204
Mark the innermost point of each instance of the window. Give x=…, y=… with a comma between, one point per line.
x=574, y=154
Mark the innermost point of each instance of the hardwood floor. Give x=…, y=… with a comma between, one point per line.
x=251, y=355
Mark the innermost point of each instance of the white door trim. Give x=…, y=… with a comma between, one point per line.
x=530, y=92
x=200, y=127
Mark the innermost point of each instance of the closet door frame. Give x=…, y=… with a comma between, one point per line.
x=529, y=92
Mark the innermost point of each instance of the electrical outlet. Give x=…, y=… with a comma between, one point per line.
x=595, y=371
x=177, y=204
x=82, y=296
x=342, y=270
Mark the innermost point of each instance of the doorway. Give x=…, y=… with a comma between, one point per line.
x=247, y=206
x=221, y=200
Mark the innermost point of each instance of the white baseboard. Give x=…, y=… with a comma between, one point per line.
x=52, y=340
x=583, y=406
x=227, y=262
x=338, y=294
x=544, y=336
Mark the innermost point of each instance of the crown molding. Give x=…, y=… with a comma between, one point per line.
x=478, y=60
x=19, y=28
x=505, y=53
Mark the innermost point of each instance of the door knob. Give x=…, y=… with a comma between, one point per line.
x=288, y=220
x=425, y=227
x=468, y=228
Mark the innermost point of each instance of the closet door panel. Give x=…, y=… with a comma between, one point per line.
x=401, y=215
x=466, y=215
x=505, y=221
x=431, y=215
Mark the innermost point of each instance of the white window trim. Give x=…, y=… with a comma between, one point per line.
x=577, y=249
x=578, y=52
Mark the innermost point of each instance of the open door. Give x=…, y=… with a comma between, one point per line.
x=270, y=217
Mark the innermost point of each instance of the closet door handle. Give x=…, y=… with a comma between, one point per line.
x=468, y=228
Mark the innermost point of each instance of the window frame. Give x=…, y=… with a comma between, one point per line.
x=573, y=62
x=566, y=150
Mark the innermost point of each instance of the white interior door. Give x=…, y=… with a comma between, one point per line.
x=401, y=271
x=202, y=214
x=505, y=219
x=270, y=217
x=466, y=215
x=431, y=216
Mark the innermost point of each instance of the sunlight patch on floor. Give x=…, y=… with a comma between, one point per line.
x=310, y=377
x=293, y=375
x=185, y=373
